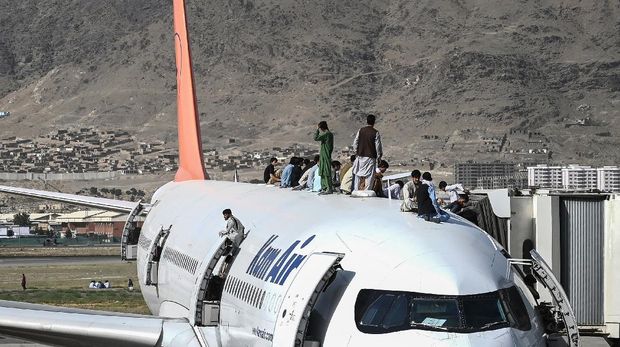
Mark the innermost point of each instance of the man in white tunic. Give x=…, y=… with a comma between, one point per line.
x=369, y=151
x=410, y=202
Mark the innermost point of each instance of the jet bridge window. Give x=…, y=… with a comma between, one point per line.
x=379, y=311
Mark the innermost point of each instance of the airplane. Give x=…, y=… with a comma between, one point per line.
x=311, y=271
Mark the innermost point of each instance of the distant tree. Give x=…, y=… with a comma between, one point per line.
x=140, y=193
x=94, y=191
x=117, y=192
x=128, y=192
x=105, y=190
x=22, y=219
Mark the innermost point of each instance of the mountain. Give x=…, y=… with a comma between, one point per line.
x=449, y=80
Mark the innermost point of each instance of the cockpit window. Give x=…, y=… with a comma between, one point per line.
x=379, y=311
x=435, y=312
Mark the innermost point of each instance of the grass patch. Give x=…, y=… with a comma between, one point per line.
x=117, y=300
x=59, y=251
x=67, y=285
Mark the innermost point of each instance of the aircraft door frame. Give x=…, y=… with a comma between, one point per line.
x=200, y=290
x=130, y=225
x=155, y=251
x=294, y=311
x=543, y=272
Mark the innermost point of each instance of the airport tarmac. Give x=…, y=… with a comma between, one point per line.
x=34, y=261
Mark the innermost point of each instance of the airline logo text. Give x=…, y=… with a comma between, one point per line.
x=272, y=265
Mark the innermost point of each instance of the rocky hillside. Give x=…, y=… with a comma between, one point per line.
x=449, y=79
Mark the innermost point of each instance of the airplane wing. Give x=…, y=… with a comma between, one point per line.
x=102, y=203
x=75, y=327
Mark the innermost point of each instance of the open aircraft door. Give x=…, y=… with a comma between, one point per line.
x=565, y=311
x=301, y=296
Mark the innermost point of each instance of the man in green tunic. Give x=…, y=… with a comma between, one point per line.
x=325, y=162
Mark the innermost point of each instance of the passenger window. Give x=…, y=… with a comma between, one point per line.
x=262, y=299
x=237, y=288
x=256, y=296
x=244, y=291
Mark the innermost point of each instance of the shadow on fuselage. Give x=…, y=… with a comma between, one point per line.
x=323, y=310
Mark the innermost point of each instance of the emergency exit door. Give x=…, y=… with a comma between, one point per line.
x=301, y=296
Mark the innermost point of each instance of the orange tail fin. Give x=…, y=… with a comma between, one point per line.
x=191, y=162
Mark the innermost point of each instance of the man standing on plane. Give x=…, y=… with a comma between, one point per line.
x=234, y=228
x=325, y=162
x=369, y=151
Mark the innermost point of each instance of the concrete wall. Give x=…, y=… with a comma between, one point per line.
x=10, y=176
x=546, y=212
x=521, y=226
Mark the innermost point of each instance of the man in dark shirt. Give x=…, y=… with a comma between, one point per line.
x=428, y=208
x=270, y=170
x=369, y=151
x=297, y=172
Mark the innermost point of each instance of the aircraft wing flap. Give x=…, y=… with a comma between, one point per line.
x=103, y=203
x=69, y=327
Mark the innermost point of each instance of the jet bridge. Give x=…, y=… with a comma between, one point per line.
x=577, y=233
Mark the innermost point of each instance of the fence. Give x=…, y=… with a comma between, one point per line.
x=33, y=241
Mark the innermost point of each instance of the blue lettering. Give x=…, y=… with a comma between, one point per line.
x=273, y=274
x=260, y=251
x=259, y=264
x=273, y=265
x=298, y=260
x=283, y=270
x=270, y=258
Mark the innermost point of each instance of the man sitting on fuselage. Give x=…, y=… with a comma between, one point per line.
x=234, y=228
x=428, y=208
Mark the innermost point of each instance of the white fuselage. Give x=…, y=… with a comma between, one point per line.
x=382, y=249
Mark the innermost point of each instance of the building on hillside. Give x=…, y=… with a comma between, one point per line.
x=468, y=173
x=518, y=181
x=608, y=178
x=575, y=178
x=544, y=176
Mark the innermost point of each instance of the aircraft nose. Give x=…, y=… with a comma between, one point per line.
x=494, y=338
